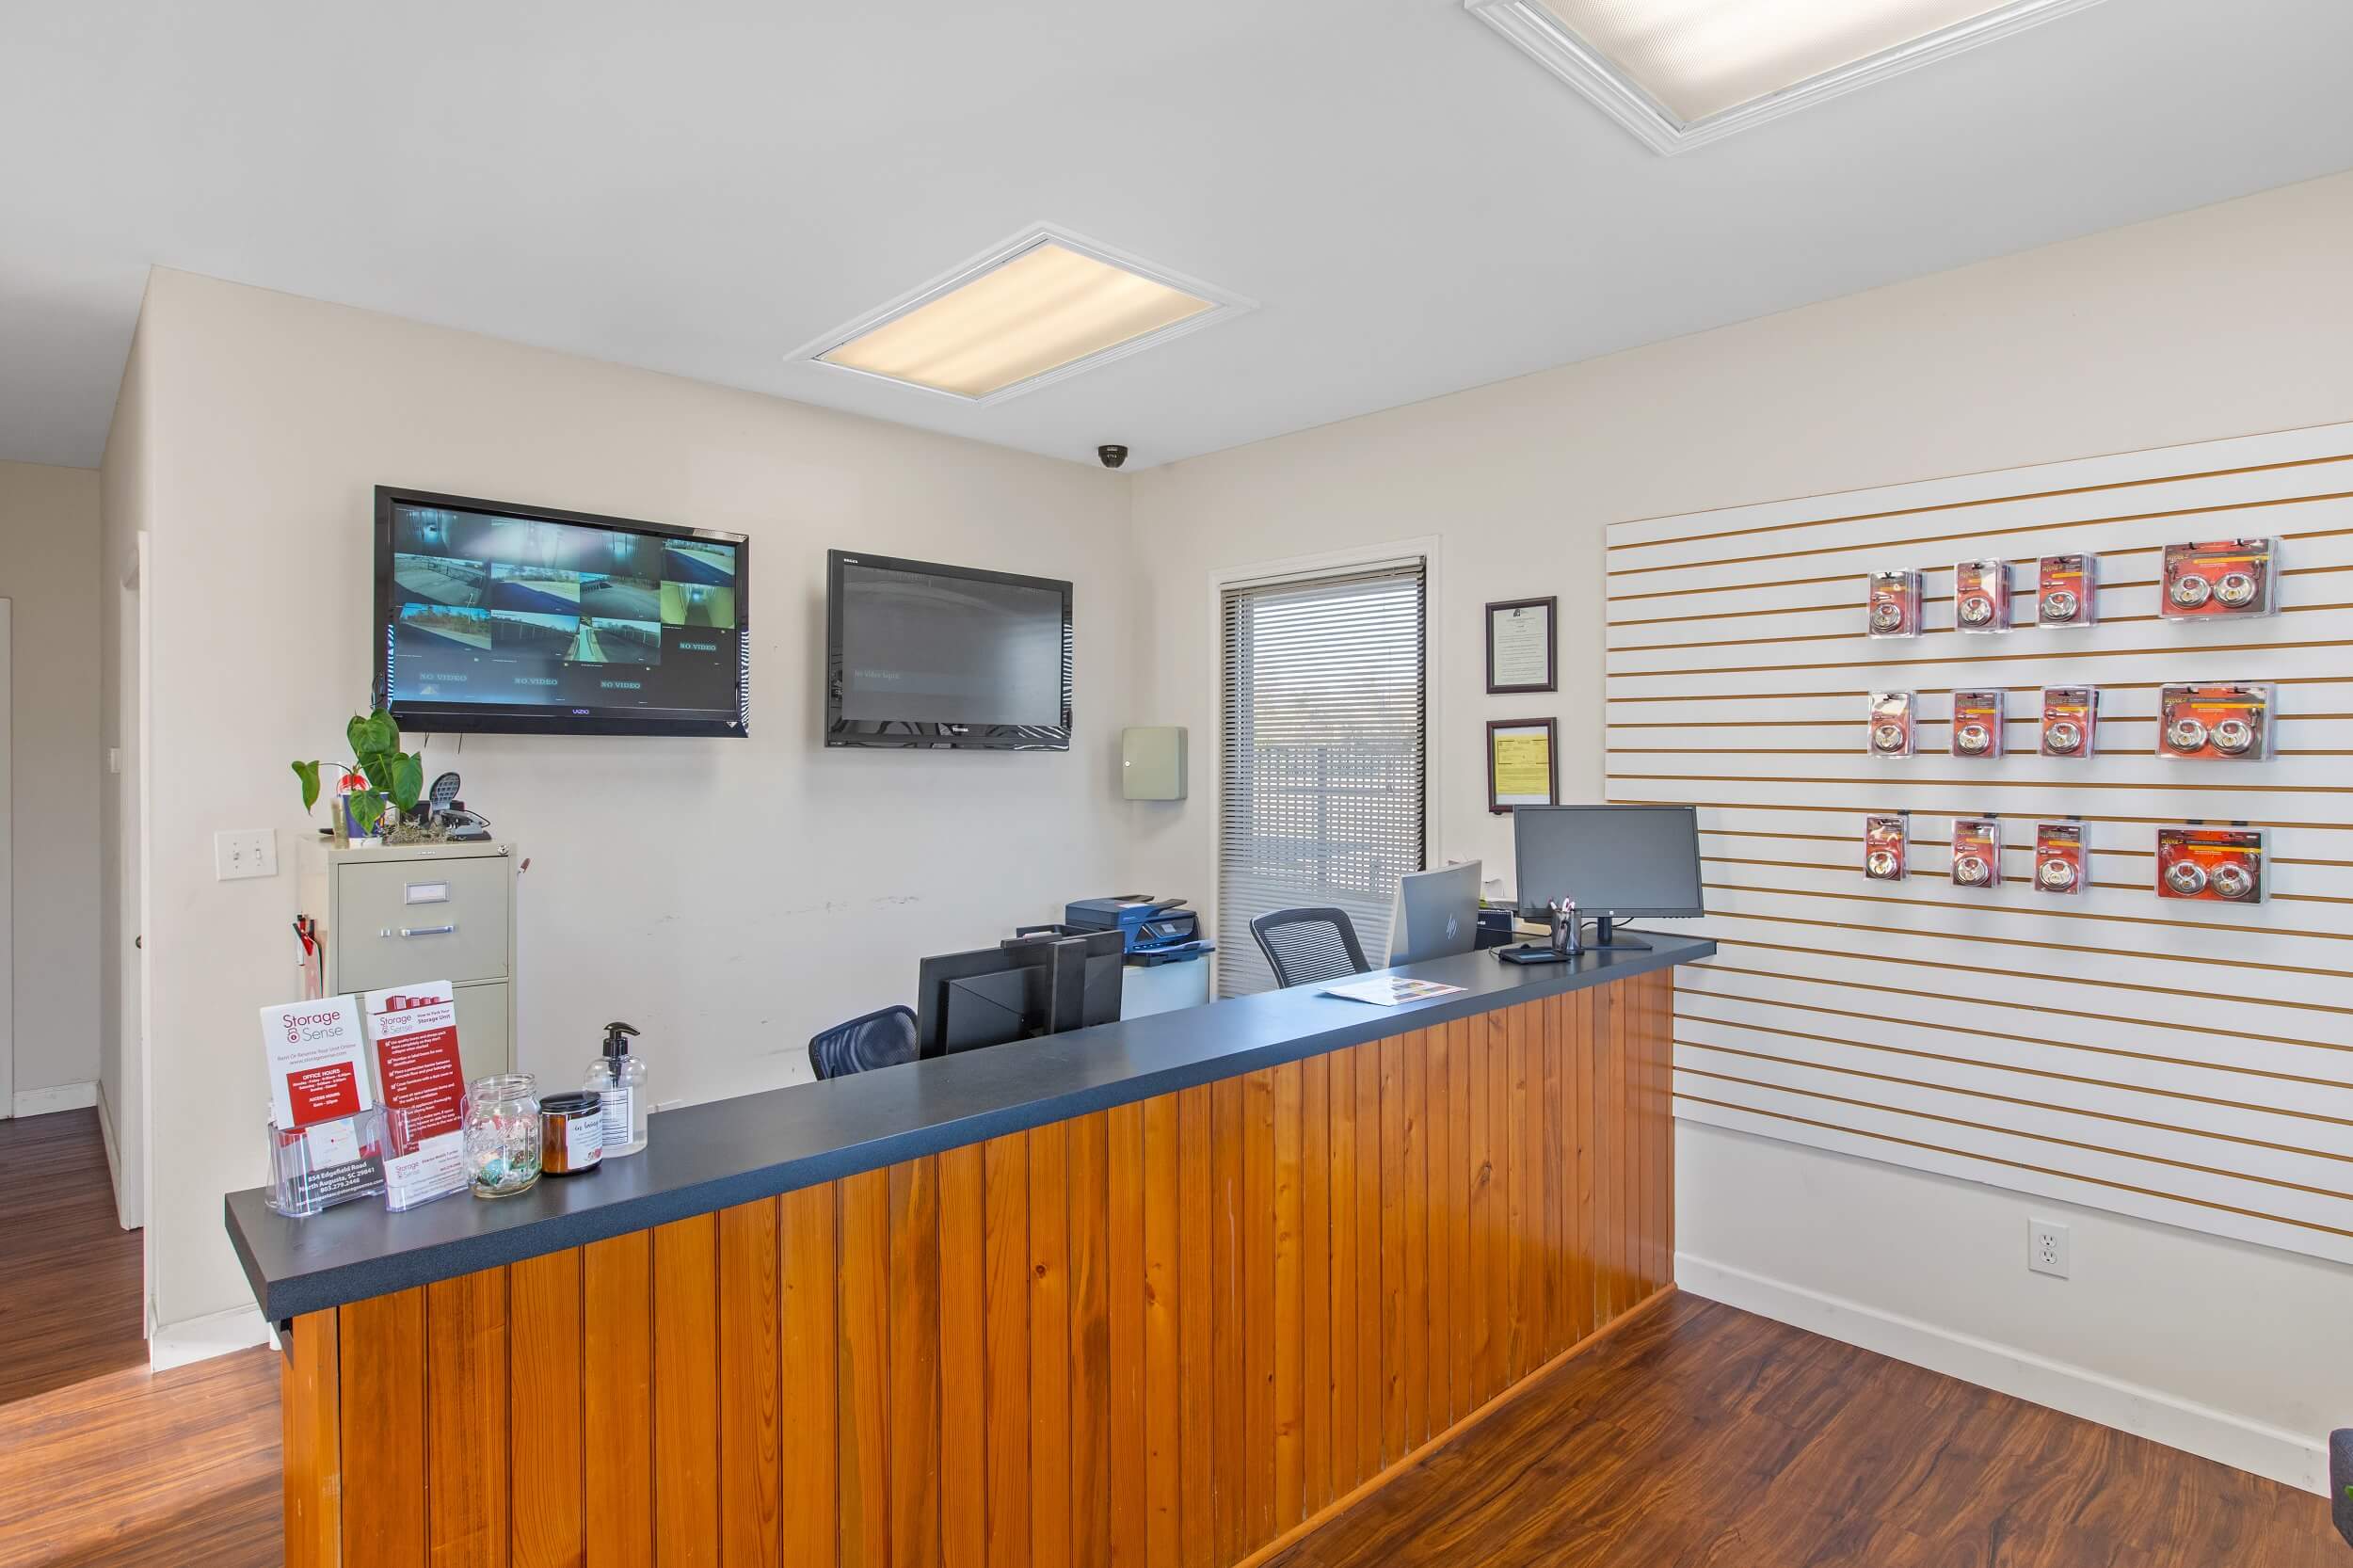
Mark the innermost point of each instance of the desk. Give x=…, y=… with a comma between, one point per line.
x=1191, y=1277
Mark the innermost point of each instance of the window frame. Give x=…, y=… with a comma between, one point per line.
x=1428, y=549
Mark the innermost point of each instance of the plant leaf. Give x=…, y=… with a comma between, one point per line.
x=408, y=781
x=367, y=809
x=372, y=736
x=378, y=768
x=309, y=774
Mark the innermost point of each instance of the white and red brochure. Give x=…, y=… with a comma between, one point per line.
x=317, y=1067
x=414, y=1031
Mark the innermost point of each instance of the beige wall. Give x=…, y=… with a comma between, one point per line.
x=728, y=897
x=2225, y=321
x=49, y=571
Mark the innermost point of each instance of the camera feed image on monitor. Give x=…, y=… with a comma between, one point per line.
x=437, y=579
x=527, y=612
x=427, y=627
x=527, y=631
x=697, y=604
x=618, y=642
x=694, y=561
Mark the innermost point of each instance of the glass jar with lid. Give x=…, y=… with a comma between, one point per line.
x=502, y=1134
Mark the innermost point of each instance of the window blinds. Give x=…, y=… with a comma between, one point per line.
x=1322, y=779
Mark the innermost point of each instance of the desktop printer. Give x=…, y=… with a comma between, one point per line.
x=1155, y=930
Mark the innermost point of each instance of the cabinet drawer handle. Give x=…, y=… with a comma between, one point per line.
x=429, y=929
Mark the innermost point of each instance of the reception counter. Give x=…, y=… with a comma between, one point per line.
x=1161, y=1291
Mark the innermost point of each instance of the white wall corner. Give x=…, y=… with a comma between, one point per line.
x=62, y=1096
x=182, y=1344
x=2233, y=1440
x=126, y=1208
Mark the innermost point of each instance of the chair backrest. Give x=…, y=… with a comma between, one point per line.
x=1306, y=946
x=882, y=1039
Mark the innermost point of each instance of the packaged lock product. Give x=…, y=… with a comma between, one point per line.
x=2066, y=590
x=1889, y=733
x=2071, y=715
x=1895, y=604
x=1977, y=852
x=2061, y=864
x=2216, y=865
x=1886, y=846
x=1977, y=719
x=1981, y=596
x=2228, y=577
x=2228, y=723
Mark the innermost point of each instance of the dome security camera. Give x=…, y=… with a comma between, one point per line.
x=1112, y=453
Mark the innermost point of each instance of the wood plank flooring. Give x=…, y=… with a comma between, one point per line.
x=103, y=1465
x=69, y=1282
x=1697, y=1437
x=1703, y=1437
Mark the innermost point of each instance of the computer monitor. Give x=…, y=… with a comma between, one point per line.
x=1616, y=862
x=1025, y=988
x=1436, y=915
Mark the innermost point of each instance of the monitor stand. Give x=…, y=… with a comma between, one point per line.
x=1606, y=937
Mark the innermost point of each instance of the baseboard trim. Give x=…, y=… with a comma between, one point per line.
x=184, y=1344
x=63, y=1097
x=2232, y=1440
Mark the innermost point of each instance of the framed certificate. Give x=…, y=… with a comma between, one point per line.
x=1523, y=647
x=1522, y=769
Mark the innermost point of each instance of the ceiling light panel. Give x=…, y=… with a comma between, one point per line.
x=1045, y=305
x=1682, y=72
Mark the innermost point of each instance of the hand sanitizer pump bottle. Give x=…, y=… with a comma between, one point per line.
x=620, y=1078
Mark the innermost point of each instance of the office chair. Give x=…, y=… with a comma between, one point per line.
x=1305, y=946
x=882, y=1039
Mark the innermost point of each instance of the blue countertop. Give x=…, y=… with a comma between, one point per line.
x=704, y=1158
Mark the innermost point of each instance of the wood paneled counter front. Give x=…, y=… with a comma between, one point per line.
x=1160, y=1292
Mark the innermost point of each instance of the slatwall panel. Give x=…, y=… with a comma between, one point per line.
x=2185, y=1063
x=1163, y=1335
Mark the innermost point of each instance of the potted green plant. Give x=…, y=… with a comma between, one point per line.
x=395, y=778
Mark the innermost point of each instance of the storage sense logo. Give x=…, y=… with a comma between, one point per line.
x=302, y=1027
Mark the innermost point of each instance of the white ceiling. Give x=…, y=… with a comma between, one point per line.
x=700, y=186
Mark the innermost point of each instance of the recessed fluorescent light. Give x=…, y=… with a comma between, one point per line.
x=1044, y=305
x=1678, y=73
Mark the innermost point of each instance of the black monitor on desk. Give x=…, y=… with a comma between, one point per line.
x=1029, y=986
x=1615, y=862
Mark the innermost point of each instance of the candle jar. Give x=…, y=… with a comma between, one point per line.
x=502, y=1134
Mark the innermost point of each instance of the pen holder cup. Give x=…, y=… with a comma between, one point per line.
x=315, y=1168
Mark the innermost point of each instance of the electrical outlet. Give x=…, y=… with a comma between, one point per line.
x=245, y=852
x=2046, y=1247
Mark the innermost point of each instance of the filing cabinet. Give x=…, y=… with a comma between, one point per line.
x=399, y=914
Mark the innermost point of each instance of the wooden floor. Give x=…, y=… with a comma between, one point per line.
x=69, y=1273
x=1702, y=1437
x=1699, y=1437
x=102, y=1464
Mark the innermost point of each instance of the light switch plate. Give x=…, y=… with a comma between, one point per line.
x=245, y=852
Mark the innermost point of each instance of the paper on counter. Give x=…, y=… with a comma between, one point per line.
x=1390, y=990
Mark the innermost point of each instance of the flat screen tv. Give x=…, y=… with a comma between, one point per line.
x=919, y=654
x=518, y=619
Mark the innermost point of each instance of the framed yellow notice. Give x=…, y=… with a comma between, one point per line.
x=1522, y=767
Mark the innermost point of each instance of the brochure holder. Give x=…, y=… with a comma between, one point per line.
x=313, y=1169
